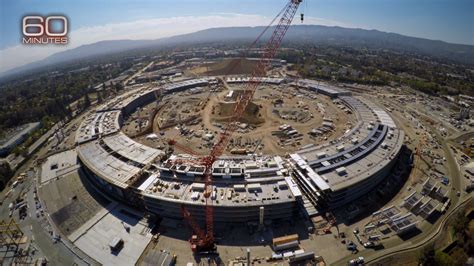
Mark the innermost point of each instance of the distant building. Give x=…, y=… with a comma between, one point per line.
x=159, y=65
x=148, y=77
x=17, y=137
x=273, y=62
x=109, y=83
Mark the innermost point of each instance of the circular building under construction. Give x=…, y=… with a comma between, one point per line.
x=292, y=169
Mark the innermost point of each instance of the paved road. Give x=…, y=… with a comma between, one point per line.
x=431, y=238
x=37, y=229
x=137, y=73
x=430, y=232
x=452, y=167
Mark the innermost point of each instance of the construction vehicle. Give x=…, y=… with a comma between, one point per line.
x=203, y=241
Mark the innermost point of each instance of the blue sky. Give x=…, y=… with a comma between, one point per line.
x=95, y=20
x=448, y=20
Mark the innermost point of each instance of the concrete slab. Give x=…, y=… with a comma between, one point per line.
x=58, y=165
x=95, y=241
x=87, y=225
x=70, y=202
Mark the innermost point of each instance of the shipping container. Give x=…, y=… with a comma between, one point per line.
x=284, y=239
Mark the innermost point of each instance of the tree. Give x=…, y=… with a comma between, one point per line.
x=87, y=101
x=118, y=86
x=5, y=174
x=427, y=256
x=99, y=97
x=458, y=256
x=69, y=111
x=460, y=223
x=443, y=259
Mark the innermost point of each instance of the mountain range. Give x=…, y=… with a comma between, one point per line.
x=315, y=34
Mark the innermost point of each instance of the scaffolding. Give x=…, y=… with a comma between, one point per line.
x=11, y=234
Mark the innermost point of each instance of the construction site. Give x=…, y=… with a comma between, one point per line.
x=306, y=154
x=237, y=162
x=281, y=118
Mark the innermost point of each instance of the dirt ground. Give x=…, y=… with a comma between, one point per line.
x=233, y=240
x=233, y=66
x=209, y=111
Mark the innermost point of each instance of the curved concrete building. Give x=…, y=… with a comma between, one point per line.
x=325, y=176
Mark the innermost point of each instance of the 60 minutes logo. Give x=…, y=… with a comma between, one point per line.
x=42, y=30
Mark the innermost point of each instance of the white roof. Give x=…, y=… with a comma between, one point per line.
x=131, y=149
x=282, y=184
x=239, y=186
x=316, y=179
x=295, y=190
x=384, y=118
x=198, y=186
x=148, y=182
x=253, y=186
x=341, y=170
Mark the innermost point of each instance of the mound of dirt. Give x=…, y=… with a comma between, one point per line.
x=225, y=110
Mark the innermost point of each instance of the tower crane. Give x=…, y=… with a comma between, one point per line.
x=203, y=240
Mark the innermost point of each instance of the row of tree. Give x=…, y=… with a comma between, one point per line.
x=6, y=174
x=50, y=95
x=383, y=67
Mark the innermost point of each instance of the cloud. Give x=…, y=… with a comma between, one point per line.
x=154, y=28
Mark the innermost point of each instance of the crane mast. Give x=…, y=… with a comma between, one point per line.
x=255, y=80
x=201, y=241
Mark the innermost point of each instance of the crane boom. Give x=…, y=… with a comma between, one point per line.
x=269, y=52
x=206, y=242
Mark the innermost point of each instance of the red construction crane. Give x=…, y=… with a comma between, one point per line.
x=204, y=240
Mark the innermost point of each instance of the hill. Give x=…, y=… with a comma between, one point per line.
x=314, y=34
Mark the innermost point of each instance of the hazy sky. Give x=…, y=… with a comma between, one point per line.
x=95, y=20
